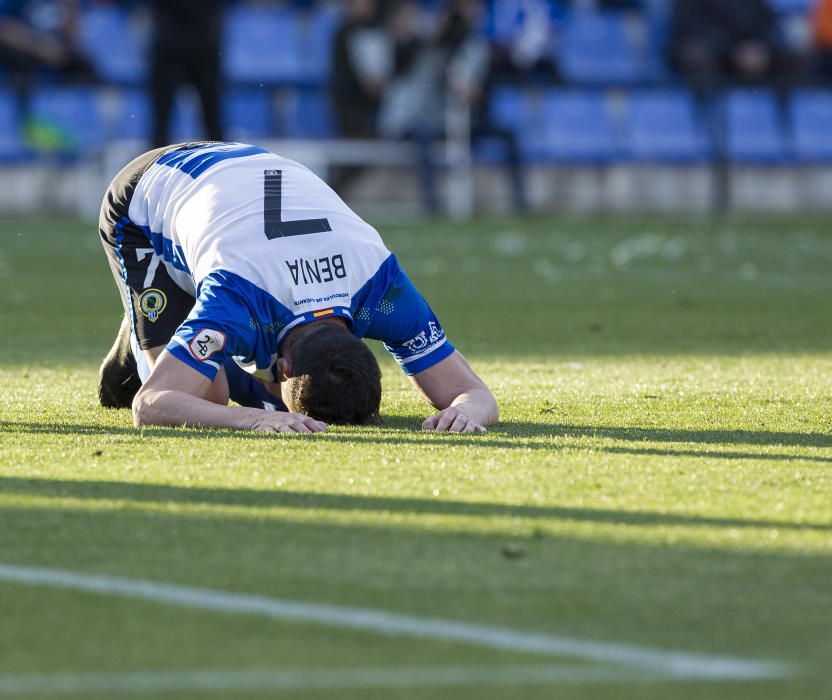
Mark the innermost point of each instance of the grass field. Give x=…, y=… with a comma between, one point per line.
x=662, y=478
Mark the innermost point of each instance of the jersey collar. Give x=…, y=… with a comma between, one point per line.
x=308, y=317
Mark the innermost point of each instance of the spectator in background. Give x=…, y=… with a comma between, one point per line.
x=361, y=67
x=822, y=33
x=41, y=34
x=715, y=41
x=450, y=70
x=186, y=51
x=523, y=34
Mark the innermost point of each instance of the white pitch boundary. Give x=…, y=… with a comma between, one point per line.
x=311, y=679
x=673, y=664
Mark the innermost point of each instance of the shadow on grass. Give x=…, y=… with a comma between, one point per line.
x=696, y=596
x=636, y=434
x=167, y=494
x=514, y=435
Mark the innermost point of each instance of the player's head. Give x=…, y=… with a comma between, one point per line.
x=330, y=375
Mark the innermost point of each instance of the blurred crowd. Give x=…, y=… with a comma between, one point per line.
x=383, y=50
x=403, y=68
x=41, y=36
x=394, y=76
x=390, y=55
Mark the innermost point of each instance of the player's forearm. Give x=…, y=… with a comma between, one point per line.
x=176, y=408
x=480, y=404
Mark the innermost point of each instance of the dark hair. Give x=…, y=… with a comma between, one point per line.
x=335, y=377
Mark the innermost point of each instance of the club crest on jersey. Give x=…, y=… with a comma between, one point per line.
x=152, y=303
x=206, y=343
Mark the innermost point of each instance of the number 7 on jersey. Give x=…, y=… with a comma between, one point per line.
x=273, y=223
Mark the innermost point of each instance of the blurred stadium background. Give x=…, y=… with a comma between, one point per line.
x=611, y=105
x=661, y=476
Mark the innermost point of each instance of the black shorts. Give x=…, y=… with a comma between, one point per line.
x=154, y=303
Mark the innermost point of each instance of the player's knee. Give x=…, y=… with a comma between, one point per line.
x=140, y=410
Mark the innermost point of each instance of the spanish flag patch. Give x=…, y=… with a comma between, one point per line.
x=322, y=313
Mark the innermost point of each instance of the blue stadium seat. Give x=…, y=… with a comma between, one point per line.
x=308, y=115
x=114, y=44
x=577, y=127
x=563, y=125
x=520, y=111
x=504, y=19
x=186, y=121
x=12, y=146
x=792, y=6
x=317, y=30
x=664, y=126
x=811, y=112
x=248, y=114
x=74, y=116
x=262, y=45
x=658, y=18
x=600, y=48
x=489, y=151
x=134, y=116
x=755, y=131
x=507, y=106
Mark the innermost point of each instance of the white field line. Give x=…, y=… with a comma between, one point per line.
x=671, y=663
x=254, y=680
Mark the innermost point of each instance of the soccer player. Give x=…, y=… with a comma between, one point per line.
x=244, y=276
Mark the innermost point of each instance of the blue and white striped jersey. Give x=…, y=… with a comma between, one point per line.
x=264, y=245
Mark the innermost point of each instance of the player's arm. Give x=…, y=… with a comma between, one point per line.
x=233, y=383
x=175, y=394
x=182, y=387
x=219, y=391
x=465, y=403
x=413, y=335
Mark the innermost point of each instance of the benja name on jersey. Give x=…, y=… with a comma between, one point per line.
x=317, y=270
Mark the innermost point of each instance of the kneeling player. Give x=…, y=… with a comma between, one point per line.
x=244, y=275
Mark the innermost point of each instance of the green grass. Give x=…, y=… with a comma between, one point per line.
x=662, y=468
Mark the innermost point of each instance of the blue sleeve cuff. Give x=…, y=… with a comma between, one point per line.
x=419, y=363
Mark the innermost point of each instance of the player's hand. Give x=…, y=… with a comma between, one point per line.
x=454, y=419
x=282, y=422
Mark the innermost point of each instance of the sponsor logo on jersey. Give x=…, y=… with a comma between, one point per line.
x=436, y=333
x=423, y=341
x=420, y=342
x=152, y=303
x=317, y=270
x=206, y=343
x=322, y=313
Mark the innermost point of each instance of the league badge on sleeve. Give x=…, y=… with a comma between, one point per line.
x=206, y=343
x=152, y=303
